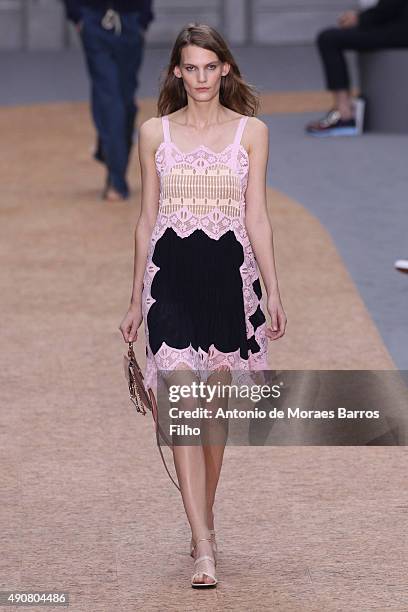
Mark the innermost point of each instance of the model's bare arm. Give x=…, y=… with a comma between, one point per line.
x=150, y=191
x=149, y=205
x=258, y=223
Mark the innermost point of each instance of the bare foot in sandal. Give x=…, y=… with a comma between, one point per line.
x=204, y=565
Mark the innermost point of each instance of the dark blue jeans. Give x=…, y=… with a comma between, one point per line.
x=113, y=62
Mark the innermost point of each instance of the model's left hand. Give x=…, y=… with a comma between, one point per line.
x=278, y=318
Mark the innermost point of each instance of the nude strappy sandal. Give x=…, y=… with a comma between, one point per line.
x=213, y=542
x=206, y=561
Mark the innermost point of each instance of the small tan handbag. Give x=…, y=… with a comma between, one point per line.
x=144, y=400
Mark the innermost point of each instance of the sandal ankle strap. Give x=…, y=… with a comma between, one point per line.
x=202, y=540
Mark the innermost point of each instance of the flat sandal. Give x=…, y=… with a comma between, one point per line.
x=205, y=561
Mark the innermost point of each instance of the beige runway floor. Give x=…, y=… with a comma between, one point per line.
x=86, y=504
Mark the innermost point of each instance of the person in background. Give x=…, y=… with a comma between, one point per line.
x=112, y=35
x=384, y=25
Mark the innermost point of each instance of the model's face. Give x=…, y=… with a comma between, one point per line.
x=201, y=71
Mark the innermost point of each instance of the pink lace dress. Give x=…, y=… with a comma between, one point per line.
x=202, y=298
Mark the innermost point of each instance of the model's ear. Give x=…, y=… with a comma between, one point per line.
x=177, y=72
x=225, y=69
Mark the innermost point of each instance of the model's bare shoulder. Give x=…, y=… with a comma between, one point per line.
x=256, y=134
x=257, y=128
x=150, y=134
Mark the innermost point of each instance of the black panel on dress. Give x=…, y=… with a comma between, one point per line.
x=199, y=293
x=253, y=345
x=257, y=288
x=257, y=318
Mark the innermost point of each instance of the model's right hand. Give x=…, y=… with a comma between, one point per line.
x=79, y=26
x=131, y=322
x=349, y=19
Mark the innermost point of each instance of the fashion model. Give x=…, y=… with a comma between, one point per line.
x=202, y=232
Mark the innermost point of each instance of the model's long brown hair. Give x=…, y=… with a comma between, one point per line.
x=234, y=93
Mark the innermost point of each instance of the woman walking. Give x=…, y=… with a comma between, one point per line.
x=201, y=235
x=112, y=36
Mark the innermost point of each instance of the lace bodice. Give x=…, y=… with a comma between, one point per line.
x=202, y=188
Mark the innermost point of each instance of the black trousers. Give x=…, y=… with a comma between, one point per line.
x=332, y=43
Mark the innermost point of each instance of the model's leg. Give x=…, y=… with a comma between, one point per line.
x=190, y=466
x=215, y=433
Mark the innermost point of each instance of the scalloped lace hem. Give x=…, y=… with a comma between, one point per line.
x=168, y=359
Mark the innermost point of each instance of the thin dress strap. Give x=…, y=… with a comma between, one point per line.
x=166, y=128
x=238, y=136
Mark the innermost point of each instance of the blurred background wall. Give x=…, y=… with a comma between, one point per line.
x=40, y=24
